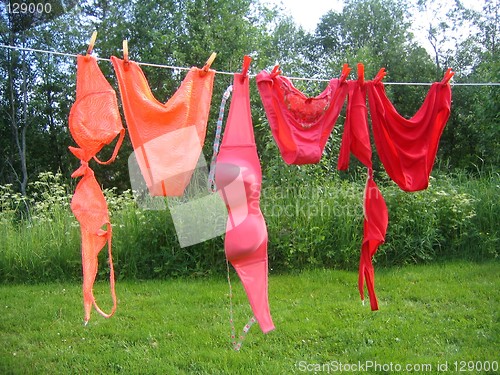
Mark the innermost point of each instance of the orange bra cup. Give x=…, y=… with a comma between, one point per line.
x=94, y=121
x=89, y=78
x=89, y=205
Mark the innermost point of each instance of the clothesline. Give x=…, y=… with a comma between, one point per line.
x=232, y=73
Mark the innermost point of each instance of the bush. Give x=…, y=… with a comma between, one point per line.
x=310, y=225
x=39, y=237
x=428, y=225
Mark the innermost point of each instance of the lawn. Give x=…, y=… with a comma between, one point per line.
x=430, y=315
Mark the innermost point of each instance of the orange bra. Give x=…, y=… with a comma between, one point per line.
x=356, y=140
x=167, y=138
x=94, y=121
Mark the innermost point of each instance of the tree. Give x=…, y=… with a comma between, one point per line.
x=38, y=90
x=471, y=138
x=17, y=69
x=377, y=34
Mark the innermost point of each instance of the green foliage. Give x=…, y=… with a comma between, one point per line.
x=470, y=140
x=375, y=33
x=310, y=225
x=313, y=225
x=314, y=218
x=428, y=225
x=428, y=315
x=39, y=238
x=146, y=246
x=37, y=90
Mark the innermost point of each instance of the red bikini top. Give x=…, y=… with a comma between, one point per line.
x=355, y=137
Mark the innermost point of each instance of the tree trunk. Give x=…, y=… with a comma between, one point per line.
x=24, y=126
x=18, y=129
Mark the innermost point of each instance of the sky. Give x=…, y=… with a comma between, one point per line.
x=307, y=13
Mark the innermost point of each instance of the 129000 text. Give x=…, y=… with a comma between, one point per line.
x=28, y=8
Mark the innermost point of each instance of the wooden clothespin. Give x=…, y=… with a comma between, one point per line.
x=209, y=62
x=91, y=43
x=125, y=50
x=276, y=71
x=380, y=75
x=447, y=75
x=246, y=65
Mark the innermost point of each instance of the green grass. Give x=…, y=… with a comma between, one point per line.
x=428, y=314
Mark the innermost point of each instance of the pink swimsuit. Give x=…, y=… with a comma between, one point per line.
x=300, y=125
x=246, y=232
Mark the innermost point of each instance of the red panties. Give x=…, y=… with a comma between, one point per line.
x=300, y=125
x=356, y=140
x=407, y=148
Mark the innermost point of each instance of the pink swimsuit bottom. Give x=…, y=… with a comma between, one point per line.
x=238, y=178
